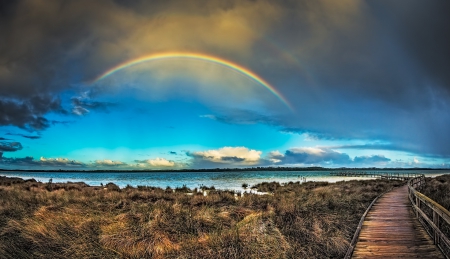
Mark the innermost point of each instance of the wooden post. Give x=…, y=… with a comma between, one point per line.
x=436, y=222
x=418, y=206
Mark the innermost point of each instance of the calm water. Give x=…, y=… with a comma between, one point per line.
x=221, y=180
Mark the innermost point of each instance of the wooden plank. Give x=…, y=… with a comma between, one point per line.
x=390, y=230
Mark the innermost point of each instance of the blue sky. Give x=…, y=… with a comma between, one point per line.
x=367, y=84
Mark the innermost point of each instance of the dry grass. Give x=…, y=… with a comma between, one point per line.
x=312, y=220
x=438, y=189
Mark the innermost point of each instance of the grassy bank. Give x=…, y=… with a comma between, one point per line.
x=312, y=220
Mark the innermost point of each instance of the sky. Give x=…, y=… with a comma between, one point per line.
x=173, y=84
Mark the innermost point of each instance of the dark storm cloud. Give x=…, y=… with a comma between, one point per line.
x=304, y=156
x=38, y=47
x=232, y=159
x=59, y=162
x=371, y=159
x=43, y=51
x=42, y=162
x=50, y=47
x=314, y=156
x=10, y=146
x=30, y=137
x=372, y=147
x=21, y=161
x=24, y=136
x=406, y=147
x=323, y=157
x=206, y=159
x=370, y=70
x=56, y=163
x=424, y=32
x=29, y=113
x=82, y=106
x=347, y=53
x=239, y=116
x=311, y=133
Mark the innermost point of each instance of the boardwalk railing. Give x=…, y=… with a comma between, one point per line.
x=434, y=218
x=375, y=174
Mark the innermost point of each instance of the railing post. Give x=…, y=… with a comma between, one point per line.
x=436, y=222
x=418, y=206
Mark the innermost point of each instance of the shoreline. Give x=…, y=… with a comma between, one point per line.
x=206, y=170
x=220, y=180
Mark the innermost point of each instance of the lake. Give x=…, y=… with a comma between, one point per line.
x=220, y=180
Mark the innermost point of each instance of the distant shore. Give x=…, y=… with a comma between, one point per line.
x=226, y=180
x=246, y=169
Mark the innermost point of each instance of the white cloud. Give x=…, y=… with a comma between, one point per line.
x=58, y=161
x=160, y=162
x=229, y=155
x=108, y=162
x=275, y=156
x=80, y=111
x=308, y=150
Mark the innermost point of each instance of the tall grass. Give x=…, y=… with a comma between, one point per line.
x=73, y=220
x=438, y=189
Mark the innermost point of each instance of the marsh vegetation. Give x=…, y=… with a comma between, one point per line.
x=74, y=220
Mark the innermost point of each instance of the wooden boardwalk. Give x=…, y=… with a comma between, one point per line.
x=390, y=230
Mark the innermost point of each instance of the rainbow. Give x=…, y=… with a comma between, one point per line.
x=197, y=56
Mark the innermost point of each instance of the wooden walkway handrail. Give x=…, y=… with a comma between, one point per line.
x=376, y=174
x=440, y=216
